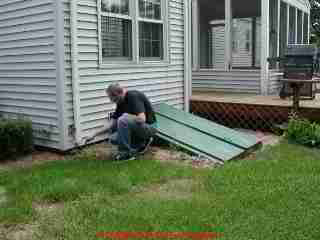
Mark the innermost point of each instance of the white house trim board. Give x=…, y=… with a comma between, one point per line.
x=309, y=28
x=288, y=21
x=278, y=26
x=264, y=47
x=75, y=70
x=195, y=34
x=296, y=23
x=187, y=56
x=99, y=31
x=228, y=34
x=59, y=41
x=302, y=30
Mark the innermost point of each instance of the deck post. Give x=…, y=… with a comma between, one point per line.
x=264, y=47
x=228, y=34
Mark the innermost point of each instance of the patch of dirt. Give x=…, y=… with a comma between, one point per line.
x=267, y=139
x=165, y=155
x=181, y=158
x=102, y=150
x=20, y=232
x=30, y=231
x=173, y=190
x=45, y=209
x=37, y=157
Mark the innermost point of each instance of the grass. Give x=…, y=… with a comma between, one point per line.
x=275, y=196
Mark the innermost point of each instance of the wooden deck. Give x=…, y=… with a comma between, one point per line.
x=253, y=99
x=250, y=111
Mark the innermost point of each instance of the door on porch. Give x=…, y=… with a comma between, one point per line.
x=221, y=46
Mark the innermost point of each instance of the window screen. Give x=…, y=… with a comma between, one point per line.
x=150, y=9
x=116, y=38
x=150, y=40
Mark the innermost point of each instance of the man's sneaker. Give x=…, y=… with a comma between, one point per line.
x=124, y=156
x=145, y=147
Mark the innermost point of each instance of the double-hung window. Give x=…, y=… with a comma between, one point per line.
x=116, y=30
x=132, y=30
x=150, y=29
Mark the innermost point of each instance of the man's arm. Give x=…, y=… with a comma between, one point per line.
x=137, y=107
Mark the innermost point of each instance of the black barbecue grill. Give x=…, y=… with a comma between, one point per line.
x=300, y=62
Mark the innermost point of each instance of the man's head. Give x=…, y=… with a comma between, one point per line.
x=115, y=92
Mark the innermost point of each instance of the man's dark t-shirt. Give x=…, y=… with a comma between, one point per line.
x=136, y=102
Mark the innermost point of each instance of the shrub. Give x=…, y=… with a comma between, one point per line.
x=15, y=137
x=304, y=132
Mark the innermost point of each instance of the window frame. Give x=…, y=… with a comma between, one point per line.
x=235, y=40
x=134, y=16
x=248, y=38
x=154, y=21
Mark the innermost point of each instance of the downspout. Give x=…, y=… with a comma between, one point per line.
x=187, y=57
x=75, y=71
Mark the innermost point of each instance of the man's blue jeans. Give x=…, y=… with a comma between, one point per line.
x=131, y=134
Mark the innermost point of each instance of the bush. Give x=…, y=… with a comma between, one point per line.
x=15, y=137
x=304, y=132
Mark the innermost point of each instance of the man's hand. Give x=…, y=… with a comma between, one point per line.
x=109, y=130
x=141, y=117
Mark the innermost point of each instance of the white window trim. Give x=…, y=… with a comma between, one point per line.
x=135, y=18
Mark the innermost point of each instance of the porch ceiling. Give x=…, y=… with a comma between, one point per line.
x=215, y=9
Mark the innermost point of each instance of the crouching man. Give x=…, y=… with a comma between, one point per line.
x=133, y=123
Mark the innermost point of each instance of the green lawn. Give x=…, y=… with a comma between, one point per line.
x=274, y=196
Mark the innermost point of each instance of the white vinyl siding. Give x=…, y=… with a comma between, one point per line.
x=274, y=83
x=218, y=44
x=162, y=82
x=235, y=81
x=28, y=76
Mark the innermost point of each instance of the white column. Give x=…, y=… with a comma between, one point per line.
x=288, y=22
x=228, y=34
x=264, y=46
x=296, y=31
x=302, y=31
x=278, y=30
x=187, y=55
x=309, y=28
x=195, y=34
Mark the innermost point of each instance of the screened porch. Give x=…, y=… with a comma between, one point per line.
x=232, y=40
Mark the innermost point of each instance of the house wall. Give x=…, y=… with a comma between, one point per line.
x=161, y=82
x=235, y=81
x=28, y=73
